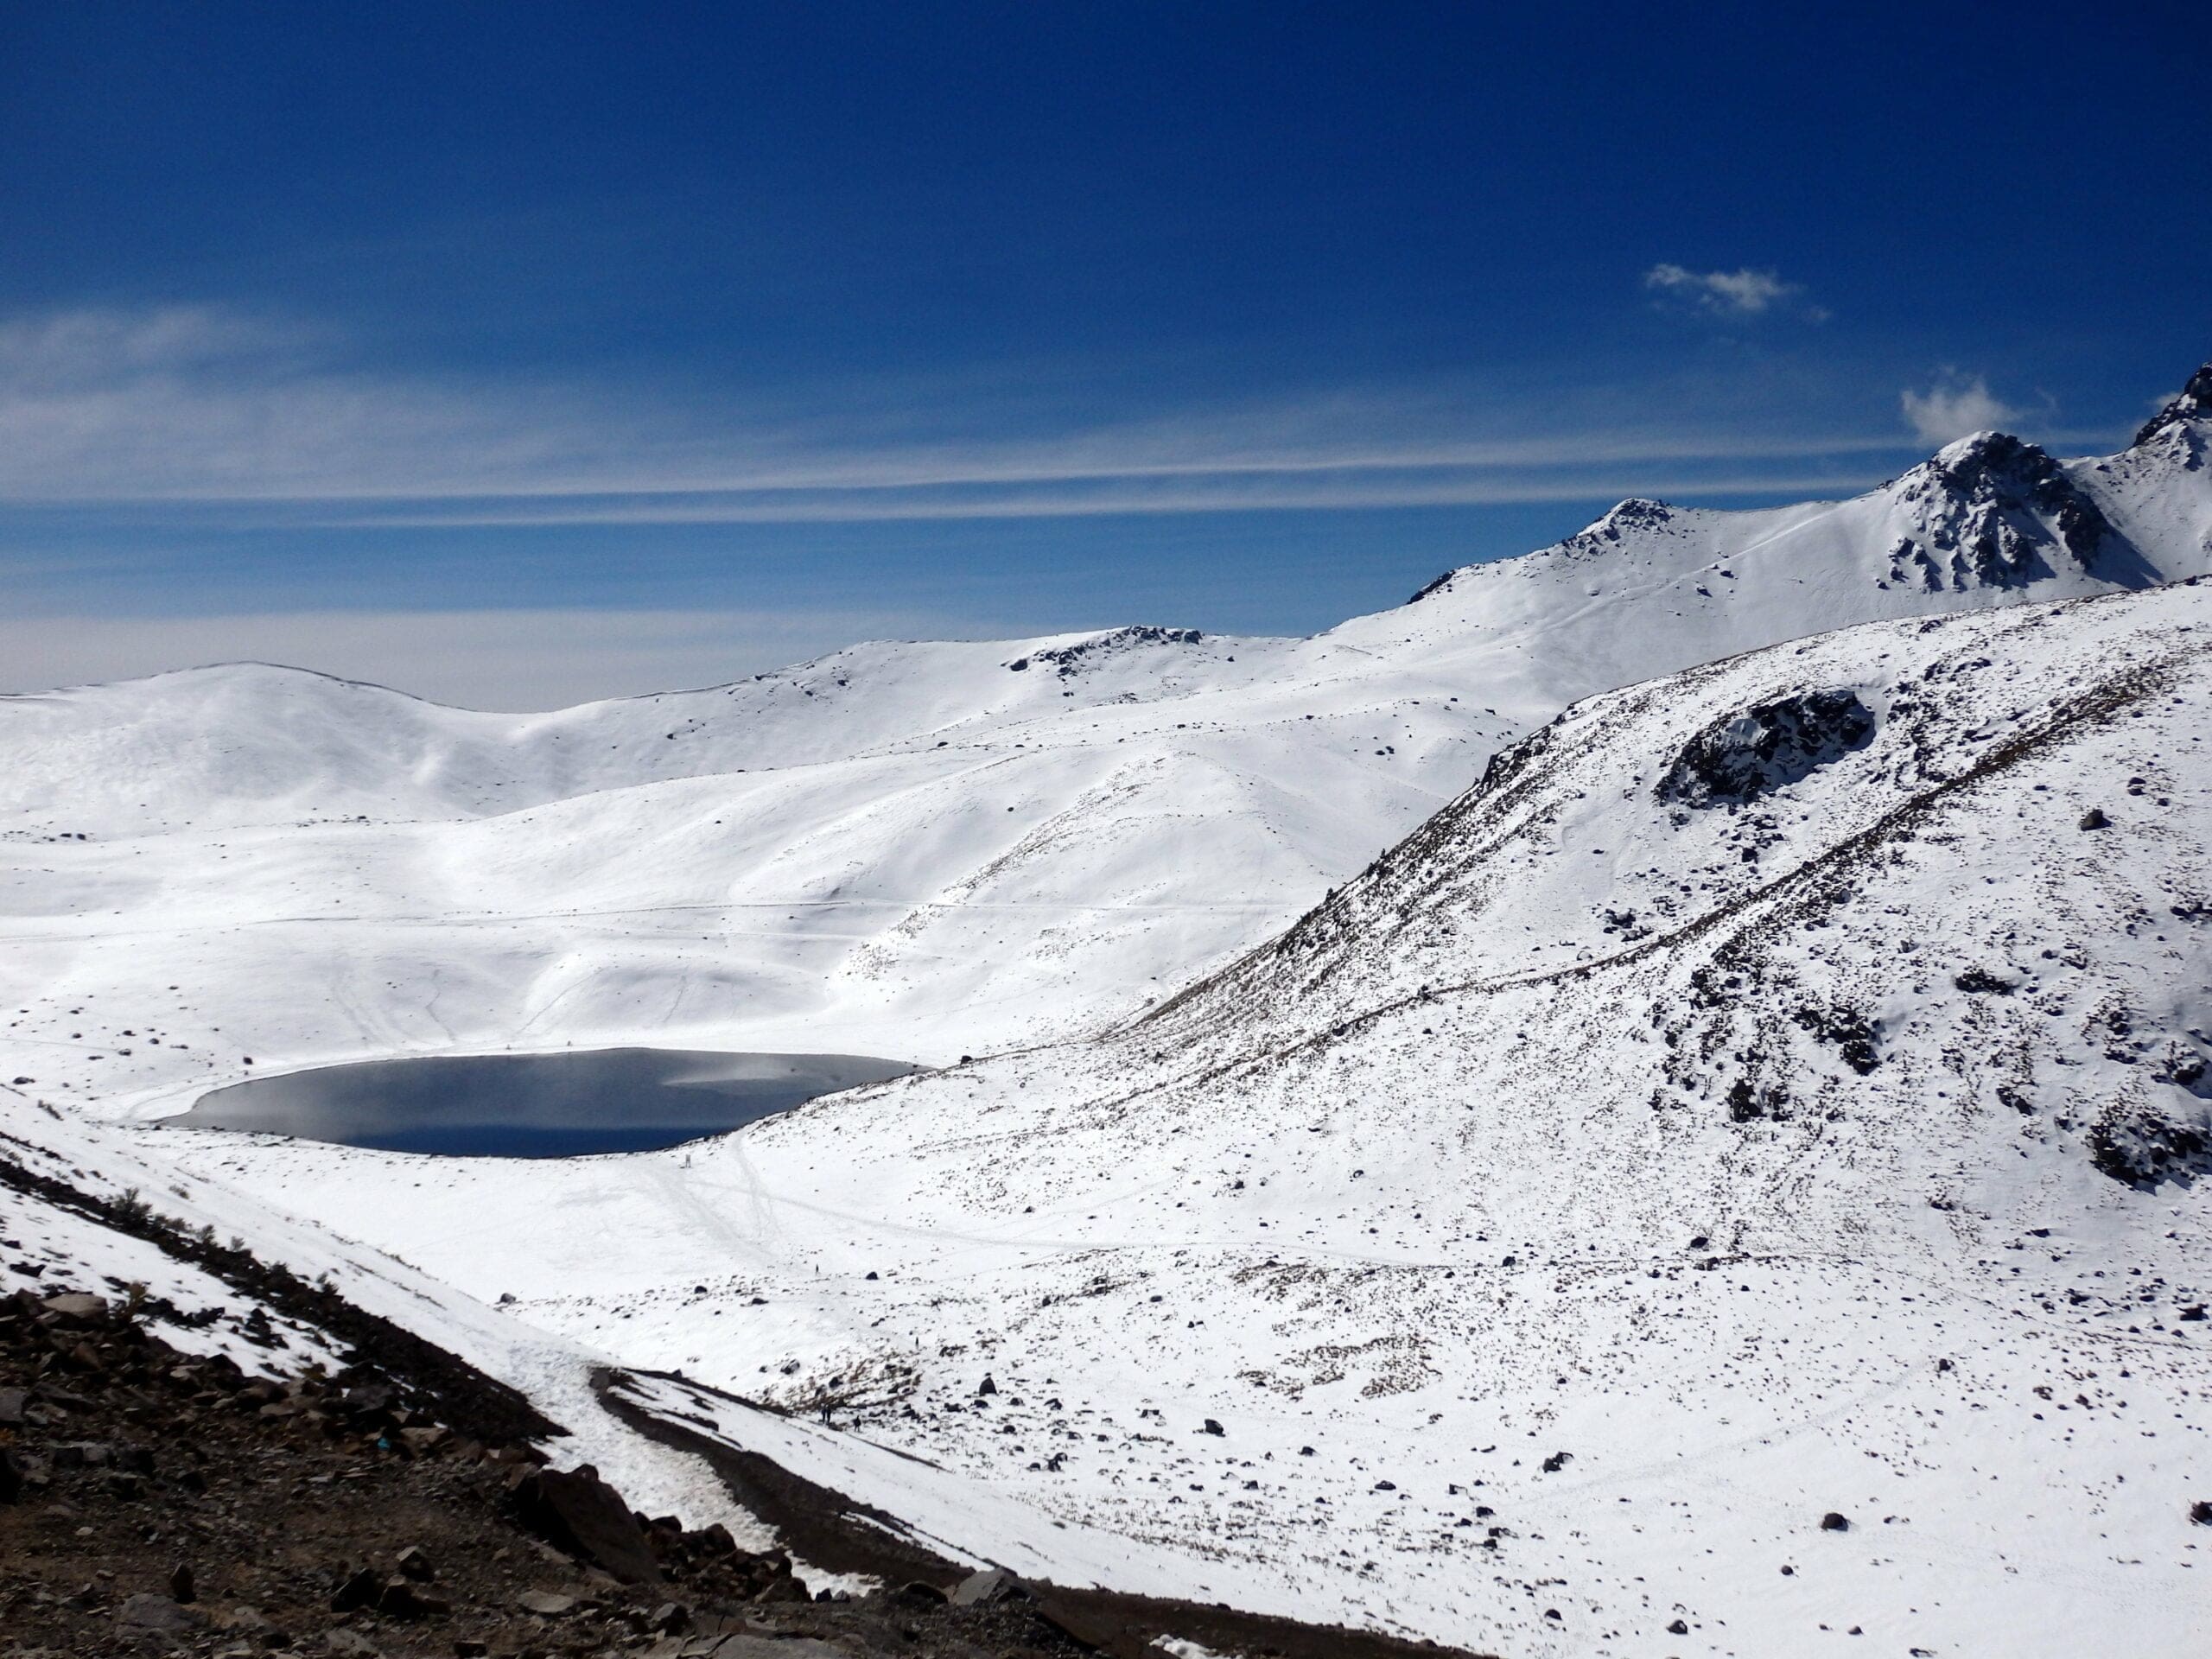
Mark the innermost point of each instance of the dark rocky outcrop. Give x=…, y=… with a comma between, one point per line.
x=2141, y=1144
x=1767, y=748
x=2194, y=403
x=1998, y=512
x=576, y=1511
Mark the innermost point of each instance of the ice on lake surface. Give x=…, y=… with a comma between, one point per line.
x=558, y=1105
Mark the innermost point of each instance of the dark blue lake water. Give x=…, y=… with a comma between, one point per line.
x=559, y=1105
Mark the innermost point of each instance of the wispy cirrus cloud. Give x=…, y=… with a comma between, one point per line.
x=1954, y=407
x=197, y=405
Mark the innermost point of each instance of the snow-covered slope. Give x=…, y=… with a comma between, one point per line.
x=1776, y=1090
x=918, y=850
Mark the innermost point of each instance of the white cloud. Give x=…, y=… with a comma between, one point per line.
x=194, y=404
x=1734, y=293
x=1954, y=408
x=510, y=660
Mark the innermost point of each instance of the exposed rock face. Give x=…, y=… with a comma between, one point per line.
x=1067, y=661
x=1995, y=511
x=2194, y=403
x=2140, y=1144
x=1635, y=514
x=1766, y=748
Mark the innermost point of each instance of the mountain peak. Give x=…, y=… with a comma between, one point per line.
x=1997, y=458
x=1624, y=519
x=2194, y=403
x=1993, y=509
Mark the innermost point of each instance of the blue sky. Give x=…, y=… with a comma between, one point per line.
x=517, y=353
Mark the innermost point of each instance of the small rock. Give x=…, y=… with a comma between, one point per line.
x=79, y=1306
x=355, y=1590
x=12, y=1401
x=156, y=1613
x=352, y=1643
x=180, y=1583
x=1213, y=1428
x=403, y=1599
x=915, y=1593
x=546, y=1604
x=2094, y=818
x=1680, y=1627
x=981, y=1589
x=245, y=1620
x=415, y=1564
x=2201, y=1513
x=1557, y=1461
x=369, y=1398
x=1833, y=1523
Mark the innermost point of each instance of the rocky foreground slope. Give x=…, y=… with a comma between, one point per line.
x=386, y=1498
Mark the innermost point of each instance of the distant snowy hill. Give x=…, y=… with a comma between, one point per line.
x=922, y=849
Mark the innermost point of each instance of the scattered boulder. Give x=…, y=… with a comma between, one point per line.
x=1980, y=982
x=404, y=1598
x=145, y=1613
x=356, y=1590
x=2094, y=818
x=1833, y=1521
x=578, y=1512
x=979, y=1589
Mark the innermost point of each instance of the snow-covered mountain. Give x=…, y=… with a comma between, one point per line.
x=924, y=849
x=1775, y=1086
x=1775, y=1091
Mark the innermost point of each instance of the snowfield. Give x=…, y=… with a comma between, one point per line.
x=1775, y=1087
